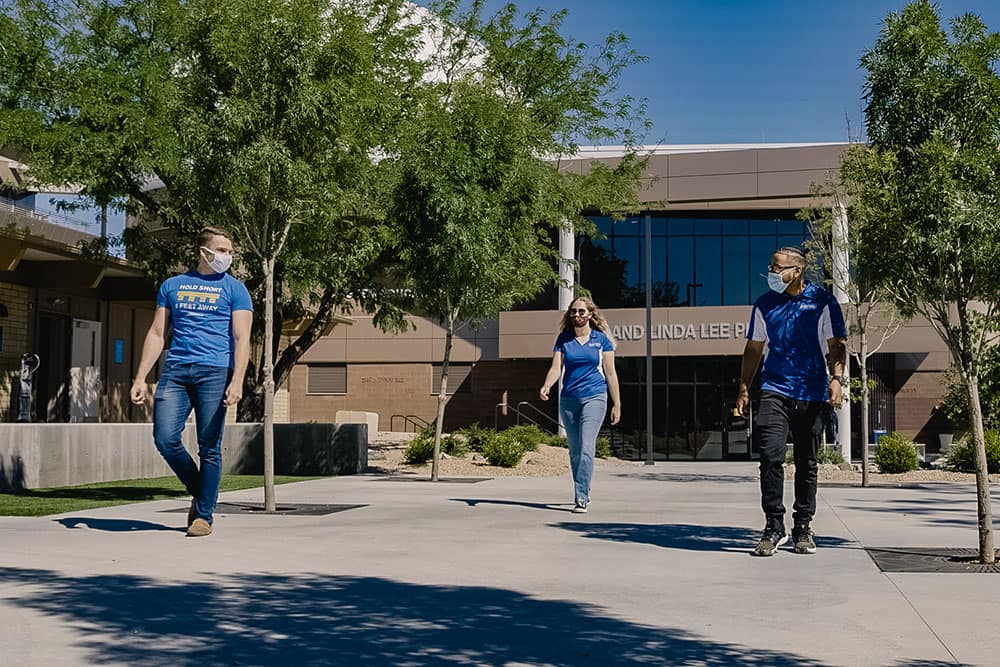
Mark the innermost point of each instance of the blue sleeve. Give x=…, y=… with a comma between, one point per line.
x=240, y=297
x=606, y=345
x=162, y=300
x=837, y=319
x=560, y=341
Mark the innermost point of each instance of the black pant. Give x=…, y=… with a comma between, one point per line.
x=776, y=417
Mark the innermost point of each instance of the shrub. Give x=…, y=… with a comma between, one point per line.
x=476, y=436
x=452, y=445
x=504, y=449
x=962, y=456
x=421, y=449
x=558, y=441
x=529, y=435
x=603, y=448
x=895, y=454
x=828, y=454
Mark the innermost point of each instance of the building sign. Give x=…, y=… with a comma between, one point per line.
x=679, y=331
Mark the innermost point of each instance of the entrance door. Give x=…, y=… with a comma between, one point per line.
x=51, y=395
x=84, y=372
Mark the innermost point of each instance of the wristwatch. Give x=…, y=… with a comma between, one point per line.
x=839, y=378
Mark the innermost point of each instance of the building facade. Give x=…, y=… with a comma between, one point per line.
x=715, y=215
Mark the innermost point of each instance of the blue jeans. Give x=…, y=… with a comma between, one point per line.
x=582, y=418
x=182, y=386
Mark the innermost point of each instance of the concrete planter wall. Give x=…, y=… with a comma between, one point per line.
x=46, y=455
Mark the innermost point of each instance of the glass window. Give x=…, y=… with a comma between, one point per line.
x=603, y=225
x=628, y=227
x=734, y=227
x=761, y=249
x=708, y=288
x=791, y=227
x=707, y=226
x=680, y=264
x=735, y=271
x=762, y=228
x=659, y=226
x=679, y=226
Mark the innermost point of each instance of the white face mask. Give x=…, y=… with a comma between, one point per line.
x=775, y=282
x=219, y=263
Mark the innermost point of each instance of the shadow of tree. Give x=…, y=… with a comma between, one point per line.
x=684, y=536
x=555, y=507
x=113, y=525
x=305, y=620
x=687, y=477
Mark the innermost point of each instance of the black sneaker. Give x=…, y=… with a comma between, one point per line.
x=769, y=542
x=803, y=540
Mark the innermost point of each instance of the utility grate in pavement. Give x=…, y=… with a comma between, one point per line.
x=285, y=509
x=446, y=480
x=930, y=559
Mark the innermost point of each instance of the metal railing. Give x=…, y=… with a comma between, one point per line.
x=418, y=423
x=517, y=410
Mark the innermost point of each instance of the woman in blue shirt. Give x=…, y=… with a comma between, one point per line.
x=584, y=357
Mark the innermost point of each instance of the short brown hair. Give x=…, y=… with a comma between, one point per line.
x=206, y=234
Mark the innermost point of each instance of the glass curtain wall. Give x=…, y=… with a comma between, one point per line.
x=696, y=261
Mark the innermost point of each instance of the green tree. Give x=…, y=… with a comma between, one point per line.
x=929, y=190
x=479, y=191
x=955, y=403
x=260, y=115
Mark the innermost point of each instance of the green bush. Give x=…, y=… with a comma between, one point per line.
x=603, y=448
x=828, y=454
x=558, y=441
x=476, y=436
x=962, y=456
x=895, y=454
x=453, y=445
x=420, y=449
x=504, y=449
x=530, y=436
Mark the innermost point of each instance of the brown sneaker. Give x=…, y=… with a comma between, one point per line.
x=191, y=514
x=199, y=528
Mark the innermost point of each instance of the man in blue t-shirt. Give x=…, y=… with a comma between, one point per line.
x=798, y=329
x=210, y=313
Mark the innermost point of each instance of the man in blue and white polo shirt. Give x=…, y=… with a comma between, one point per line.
x=798, y=328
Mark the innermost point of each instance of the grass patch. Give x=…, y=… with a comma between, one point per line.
x=41, y=502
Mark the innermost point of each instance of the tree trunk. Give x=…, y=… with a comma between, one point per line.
x=970, y=373
x=863, y=366
x=442, y=397
x=268, y=368
x=987, y=555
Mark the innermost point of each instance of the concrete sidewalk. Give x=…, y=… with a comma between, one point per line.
x=499, y=572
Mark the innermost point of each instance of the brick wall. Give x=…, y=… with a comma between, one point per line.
x=917, y=394
x=402, y=390
x=15, y=343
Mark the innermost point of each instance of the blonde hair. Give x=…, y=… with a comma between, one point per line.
x=597, y=320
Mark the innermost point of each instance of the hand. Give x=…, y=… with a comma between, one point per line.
x=234, y=392
x=742, y=401
x=543, y=393
x=836, y=394
x=616, y=413
x=138, y=392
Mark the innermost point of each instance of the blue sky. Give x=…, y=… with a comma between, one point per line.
x=725, y=71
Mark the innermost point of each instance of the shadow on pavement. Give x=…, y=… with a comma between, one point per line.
x=113, y=525
x=262, y=619
x=686, y=477
x=685, y=536
x=555, y=507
